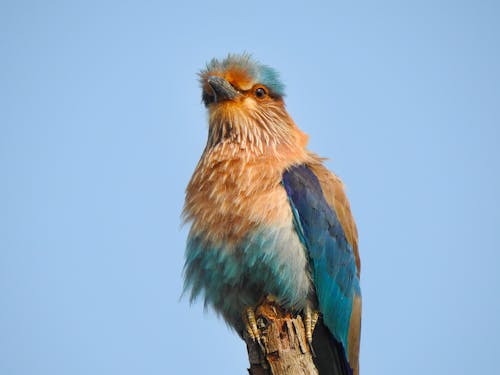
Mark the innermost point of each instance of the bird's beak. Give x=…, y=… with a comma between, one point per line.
x=222, y=89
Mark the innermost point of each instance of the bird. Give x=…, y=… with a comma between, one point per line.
x=268, y=220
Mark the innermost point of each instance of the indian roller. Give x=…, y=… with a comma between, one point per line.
x=268, y=219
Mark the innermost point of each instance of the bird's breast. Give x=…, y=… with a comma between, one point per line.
x=229, y=198
x=242, y=244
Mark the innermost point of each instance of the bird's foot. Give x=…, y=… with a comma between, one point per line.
x=251, y=327
x=310, y=319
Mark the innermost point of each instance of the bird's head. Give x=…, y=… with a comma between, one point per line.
x=245, y=103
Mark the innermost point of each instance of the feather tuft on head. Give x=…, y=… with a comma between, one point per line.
x=242, y=71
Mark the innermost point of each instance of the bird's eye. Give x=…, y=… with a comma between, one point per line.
x=260, y=92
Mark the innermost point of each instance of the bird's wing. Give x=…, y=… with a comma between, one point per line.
x=332, y=256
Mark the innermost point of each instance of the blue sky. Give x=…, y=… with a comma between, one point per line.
x=101, y=125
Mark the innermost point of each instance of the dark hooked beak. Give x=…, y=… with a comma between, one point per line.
x=221, y=90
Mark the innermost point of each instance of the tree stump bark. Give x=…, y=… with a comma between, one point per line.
x=284, y=349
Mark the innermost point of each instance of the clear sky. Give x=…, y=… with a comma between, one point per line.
x=101, y=125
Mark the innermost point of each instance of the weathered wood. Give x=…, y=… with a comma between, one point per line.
x=283, y=349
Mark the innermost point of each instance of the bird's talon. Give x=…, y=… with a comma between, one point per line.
x=251, y=324
x=310, y=320
x=252, y=328
x=261, y=345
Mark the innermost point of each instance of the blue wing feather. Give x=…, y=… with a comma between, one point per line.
x=333, y=264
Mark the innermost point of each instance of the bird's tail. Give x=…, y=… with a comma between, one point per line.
x=330, y=358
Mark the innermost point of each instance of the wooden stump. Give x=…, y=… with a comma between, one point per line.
x=283, y=349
